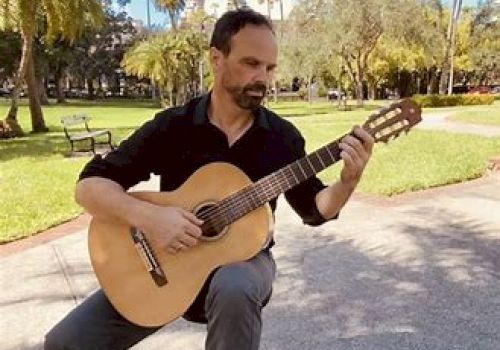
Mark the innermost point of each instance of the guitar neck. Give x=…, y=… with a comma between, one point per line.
x=386, y=124
x=280, y=181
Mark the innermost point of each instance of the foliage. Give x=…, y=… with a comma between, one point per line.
x=301, y=56
x=485, y=34
x=60, y=19
x=173, y=8
x=10, y=53
x=436, y=100
x=100, y=51
x=170, y=59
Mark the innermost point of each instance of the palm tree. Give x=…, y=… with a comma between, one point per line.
x=170, y=59
x=173, y=7
x=63, y=19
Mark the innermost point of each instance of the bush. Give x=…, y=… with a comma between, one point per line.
x=322, y=91
x=453, y=100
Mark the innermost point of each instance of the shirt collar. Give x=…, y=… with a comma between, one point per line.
x=201, y=116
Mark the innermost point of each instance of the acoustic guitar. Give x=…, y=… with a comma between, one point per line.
x=151, y=287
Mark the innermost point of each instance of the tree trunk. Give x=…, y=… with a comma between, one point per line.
x=44, y=100
x=431, y=81
x=359, y=83
x=359, y=93
x=309, y=83
x=37, y=121
x=11, y=117
x=171, y=14
x=59, y=86
x=372, y=91
x=90, y=84
x=163, y=99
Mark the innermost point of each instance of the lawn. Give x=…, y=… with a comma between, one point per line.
x=487, y=115
x=37, y=179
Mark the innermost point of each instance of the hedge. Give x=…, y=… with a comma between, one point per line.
x=453, y=100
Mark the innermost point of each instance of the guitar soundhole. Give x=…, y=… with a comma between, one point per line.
x=211, y=227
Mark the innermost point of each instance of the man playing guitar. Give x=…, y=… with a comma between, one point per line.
x=230, y=125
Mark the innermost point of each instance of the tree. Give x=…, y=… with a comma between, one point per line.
x=171, y=60
x=61, y=20
x=485, y=45
x=10, y=50
x=99, y=52
x=299, y=55
x=173, y=8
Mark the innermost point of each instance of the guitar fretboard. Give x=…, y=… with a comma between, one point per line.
x=271, y=186
x=384, y=125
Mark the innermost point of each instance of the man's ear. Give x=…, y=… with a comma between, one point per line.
x=215, y=58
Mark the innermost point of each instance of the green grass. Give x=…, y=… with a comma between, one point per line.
x=487, y=115
x=36, y=176
x=419, y=160
x=37, y=179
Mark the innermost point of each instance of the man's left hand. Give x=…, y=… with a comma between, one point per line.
x=356, y=151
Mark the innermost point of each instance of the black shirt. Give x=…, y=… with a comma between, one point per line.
x=180, y=140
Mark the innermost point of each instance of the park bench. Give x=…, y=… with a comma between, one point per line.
x=77, y=136
x=289, y=96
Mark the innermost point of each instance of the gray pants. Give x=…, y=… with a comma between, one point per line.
x=230, y=302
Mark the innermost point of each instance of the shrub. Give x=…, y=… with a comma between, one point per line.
x=453, y=100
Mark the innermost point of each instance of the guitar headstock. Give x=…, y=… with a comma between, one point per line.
x=389, y=122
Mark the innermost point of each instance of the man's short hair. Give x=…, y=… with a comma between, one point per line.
x=231, y=23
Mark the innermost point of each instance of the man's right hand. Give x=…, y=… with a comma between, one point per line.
x=173, y=228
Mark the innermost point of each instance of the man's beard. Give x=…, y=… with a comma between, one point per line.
x=243, y=96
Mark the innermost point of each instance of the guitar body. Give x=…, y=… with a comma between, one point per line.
x=123, y=275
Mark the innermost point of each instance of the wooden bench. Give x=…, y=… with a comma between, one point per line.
x=289, y=96
x=91, y=135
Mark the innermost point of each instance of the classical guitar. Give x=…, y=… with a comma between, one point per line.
x=150, y=287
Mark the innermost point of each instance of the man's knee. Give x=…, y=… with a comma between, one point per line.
x=233, y=291
x=67, y=335
x=57, y=340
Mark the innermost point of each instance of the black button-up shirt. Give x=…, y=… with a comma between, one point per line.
x=180, y=140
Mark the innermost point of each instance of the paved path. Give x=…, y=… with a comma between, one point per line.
x=440, y=121
x=417, y=272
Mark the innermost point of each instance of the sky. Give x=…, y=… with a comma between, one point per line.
x=137, y=9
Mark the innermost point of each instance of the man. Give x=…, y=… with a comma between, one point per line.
x=229, y=124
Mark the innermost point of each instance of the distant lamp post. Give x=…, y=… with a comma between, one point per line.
x=452, y=31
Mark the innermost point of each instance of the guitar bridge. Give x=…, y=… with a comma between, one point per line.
x=148, y=257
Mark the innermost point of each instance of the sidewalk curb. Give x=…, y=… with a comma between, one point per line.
x=71, y=226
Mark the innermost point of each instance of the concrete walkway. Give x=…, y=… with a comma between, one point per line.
x=421, y=271
x=440, y=121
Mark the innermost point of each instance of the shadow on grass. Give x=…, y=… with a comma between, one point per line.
x=49, y=144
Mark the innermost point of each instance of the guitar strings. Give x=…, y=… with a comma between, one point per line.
x=218, y=213
x=221, y=211
x=283, y=180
